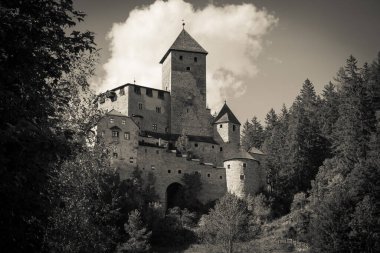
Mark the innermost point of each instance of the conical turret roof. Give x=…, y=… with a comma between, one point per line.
x=185, y=42
x=226, y=115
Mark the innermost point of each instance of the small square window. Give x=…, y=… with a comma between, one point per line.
x=244, y=165
x=241, y=177
x=160, y=94
x=140, y=106
x=149, y=92
x=137, y=90
x=208, y=175
x=115, y=155
x=188, y=68
x=127, y=136
x=195, y=59
x=221, y=126
x=115, y=133
x=181, y=57
x=221, y=149
x=130, y=159
x=112, y=120
x=196, y=145
x=220, y=177
x=169, y=171
x=123, y=122
x=154, y=126
x=179, y=171
x=122, y=92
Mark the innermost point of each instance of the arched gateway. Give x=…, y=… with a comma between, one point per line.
x=174, y=195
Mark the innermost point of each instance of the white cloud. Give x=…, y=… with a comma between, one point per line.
x=232, y=34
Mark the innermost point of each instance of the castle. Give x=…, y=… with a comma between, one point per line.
x=169, y=132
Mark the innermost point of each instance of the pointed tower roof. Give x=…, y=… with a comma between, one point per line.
x=185, y=42
x=226, y=115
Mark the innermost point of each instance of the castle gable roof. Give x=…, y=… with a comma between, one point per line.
x=226, y=115
x=113, y=112
x=185, y=42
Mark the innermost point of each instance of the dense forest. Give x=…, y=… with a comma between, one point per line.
x=59, y=192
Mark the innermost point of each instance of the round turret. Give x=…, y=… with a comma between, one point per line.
x=243, y=174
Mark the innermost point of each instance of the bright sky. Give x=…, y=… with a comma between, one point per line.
x=260, y=52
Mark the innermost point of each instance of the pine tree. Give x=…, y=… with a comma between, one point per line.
x=246, y=135
x=139, y=237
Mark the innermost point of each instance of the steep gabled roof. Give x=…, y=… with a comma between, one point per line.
x=113, y=112
x=226, y=115
x=254, y=150
x=185, y=42
x=240, y=154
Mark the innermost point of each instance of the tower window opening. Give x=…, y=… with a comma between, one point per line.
x=181, y=57
x=115, y=155
x=233, y=128
x=188, y=68
x=228, y=166
x=221, y=126
x=112, y=120
x=196, y=145
x=140, y=106
x=208, y=175
x=158, y=109
x=221, y=149
x=122, y=92
x=154, y=126
x=220, y=177
x=123, y=122
x=161, y=95
x=212, y=146
x=137, y=90
x=149, y=92
x=195, y=59
x=241, y=177
x=115, y=133
x=179, y=171
x=244, y=165
x=169, y=171
x=127, y=136
x=130, y=159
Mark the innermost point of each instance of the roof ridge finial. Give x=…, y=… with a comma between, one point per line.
x=225, y=101
x=134, y=80
x=183, y=24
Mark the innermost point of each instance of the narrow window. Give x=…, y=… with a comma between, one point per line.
x=161, y=95
x=221, y=149
x=241, y=177
x=115, y=133
x=140, y=106
x=166, y=129
x=149, y=92
x=158, y=109
x=127, y=136
x=208, y=175
x=187, y=68
x=154, y=126
x=137, y=90
x=123, y=122
x=196, y=145
x=130, y=159
x=220, y=177
x=212, y=146
x=187, y=110
x=169, y=171
x=111, y=120
x=115, y=155
x=228, y=166
x=244, y=165
x=195, y=59
x=179, y=171
x=181, y=57
x=233, y=128
x=221, y=126
x=122, y=92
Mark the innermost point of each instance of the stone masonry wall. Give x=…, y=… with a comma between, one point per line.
x=243, y=180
